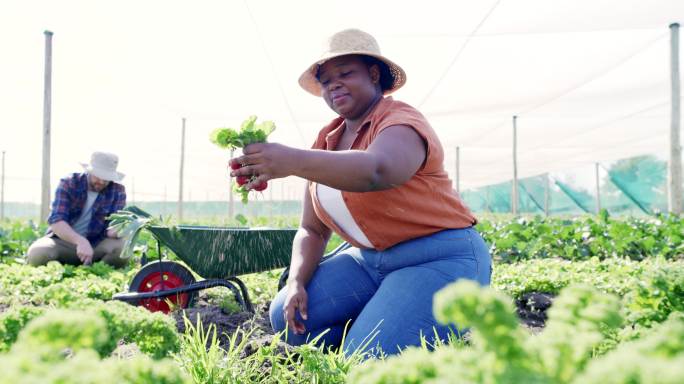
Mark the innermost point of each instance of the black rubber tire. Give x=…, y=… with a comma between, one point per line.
x=167, y=266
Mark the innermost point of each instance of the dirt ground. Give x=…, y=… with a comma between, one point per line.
x=531, y=309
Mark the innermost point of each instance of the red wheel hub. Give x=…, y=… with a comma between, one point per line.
x=157, y=281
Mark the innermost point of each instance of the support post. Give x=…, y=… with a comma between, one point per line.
x=514, y=190
x=180, y=178
x=675, y=164
x=598, y=190
x=47, y=108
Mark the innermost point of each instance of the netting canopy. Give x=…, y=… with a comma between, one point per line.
x=589, y=82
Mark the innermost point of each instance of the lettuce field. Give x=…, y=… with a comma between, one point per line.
x=590, y=299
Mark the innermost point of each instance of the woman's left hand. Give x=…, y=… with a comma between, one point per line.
x=266, y=161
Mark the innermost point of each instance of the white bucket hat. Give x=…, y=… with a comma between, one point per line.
x=351, y=42
x=103, y=165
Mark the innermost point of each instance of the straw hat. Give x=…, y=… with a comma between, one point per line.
x=103, y=165
x=350, y=42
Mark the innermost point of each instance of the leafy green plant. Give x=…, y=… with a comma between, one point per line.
x=501, y=352
x=250, y=132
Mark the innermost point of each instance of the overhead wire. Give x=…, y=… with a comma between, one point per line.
x=275, y=73
x=458, y=54
x=596, y=75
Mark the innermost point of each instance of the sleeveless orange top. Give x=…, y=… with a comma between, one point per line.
x=423, y=205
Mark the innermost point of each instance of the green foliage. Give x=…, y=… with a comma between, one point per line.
x=15, y=238
x=245, y=361
x=200, y=354
x=656, y=358
x=154, y=333
x=501, y=353
x=40, y=365
x=657, y=294
x=59, y=329
x=580, y=319
x=13, y=321
x=584, y=237
x=250, y=132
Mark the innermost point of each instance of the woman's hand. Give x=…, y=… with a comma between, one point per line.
x=296, y=299
x=266, y=161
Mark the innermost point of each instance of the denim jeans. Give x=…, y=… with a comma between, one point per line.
x=386, y=295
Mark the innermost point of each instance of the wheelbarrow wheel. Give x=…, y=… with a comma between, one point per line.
x=161, y=276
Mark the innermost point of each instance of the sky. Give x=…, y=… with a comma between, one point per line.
x=589, y=80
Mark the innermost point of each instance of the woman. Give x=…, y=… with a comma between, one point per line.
x=376, y=178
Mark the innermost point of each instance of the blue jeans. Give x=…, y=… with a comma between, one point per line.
x=386, y=294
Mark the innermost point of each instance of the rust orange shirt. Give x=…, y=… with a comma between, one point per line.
x=423, y=205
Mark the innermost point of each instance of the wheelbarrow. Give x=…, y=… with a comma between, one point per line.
x=218, y=255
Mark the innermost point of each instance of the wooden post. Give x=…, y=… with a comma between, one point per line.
x=458, y=170
x=514, y=191
x=598, y=191
x=47, y=108
x=675, y=168
x=2, y=189
x=180, y=179
x=547, y=194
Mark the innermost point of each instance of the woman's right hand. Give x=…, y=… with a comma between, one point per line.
x=296, y=299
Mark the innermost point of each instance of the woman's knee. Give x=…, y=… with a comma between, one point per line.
x=276, y=313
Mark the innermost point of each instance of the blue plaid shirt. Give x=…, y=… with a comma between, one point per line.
x=71, y=197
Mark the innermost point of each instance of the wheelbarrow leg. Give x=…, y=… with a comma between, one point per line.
x=244, y=301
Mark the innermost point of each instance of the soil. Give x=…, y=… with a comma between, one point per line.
x=257, y=325
x=531, y=309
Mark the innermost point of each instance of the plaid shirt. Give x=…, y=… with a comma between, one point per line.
x=71, y=197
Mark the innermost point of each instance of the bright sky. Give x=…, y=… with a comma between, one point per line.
x=588, y=78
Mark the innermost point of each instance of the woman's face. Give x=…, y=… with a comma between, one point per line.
x=349, y=87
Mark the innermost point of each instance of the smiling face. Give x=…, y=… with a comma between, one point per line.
x=349, y=86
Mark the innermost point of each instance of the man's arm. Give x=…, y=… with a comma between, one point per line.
x=66, y=233
x=60, y=226
x=119, y=203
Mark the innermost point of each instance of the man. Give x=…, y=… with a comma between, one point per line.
x=78, y=231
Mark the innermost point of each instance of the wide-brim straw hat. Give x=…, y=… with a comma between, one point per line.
x=103, y=165
x=350, y=42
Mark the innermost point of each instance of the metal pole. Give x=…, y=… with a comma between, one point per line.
x=598, y=191
x=514, y=191
x=2, y=189
x=180, y=181
x=47, y=107
x=675, y=169
x=458, y=170
x=547, y=194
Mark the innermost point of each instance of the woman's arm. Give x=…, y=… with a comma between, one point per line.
x=393, y=158
x=308, y=245
x=307, y=249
